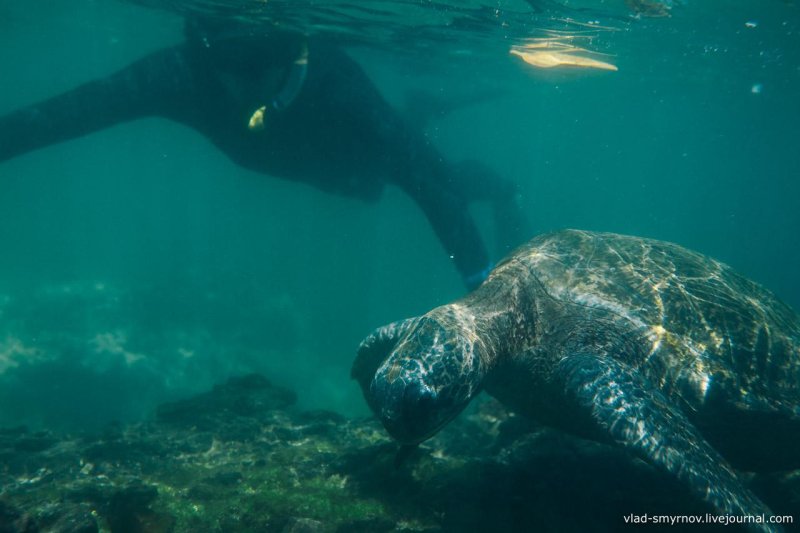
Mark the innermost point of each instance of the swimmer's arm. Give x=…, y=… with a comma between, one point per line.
x=145, y=88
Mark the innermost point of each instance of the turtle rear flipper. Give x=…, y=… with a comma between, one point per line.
x=622, y=405
x=374, y=350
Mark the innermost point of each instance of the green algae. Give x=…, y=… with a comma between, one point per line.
x=243, y=459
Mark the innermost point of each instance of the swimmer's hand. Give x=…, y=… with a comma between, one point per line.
x=256, y=122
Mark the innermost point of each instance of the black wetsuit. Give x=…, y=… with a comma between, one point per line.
x=338, y=134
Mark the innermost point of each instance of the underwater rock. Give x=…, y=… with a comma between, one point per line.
x=123, y=349
x=129, y=508
x=370, y=525
x=22, y=440
x=70, y=519
x=37, y=442
x=226, y=478
x=12, y=520
x=250, y=396
x=304, y=525
x=317, y=471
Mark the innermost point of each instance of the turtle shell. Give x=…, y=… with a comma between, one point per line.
x=701, y=327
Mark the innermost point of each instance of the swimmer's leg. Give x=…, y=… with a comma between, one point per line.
x=448, y=214
x=478, y=183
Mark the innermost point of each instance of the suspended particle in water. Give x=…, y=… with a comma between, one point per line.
x=751, y=24
x=756, y=88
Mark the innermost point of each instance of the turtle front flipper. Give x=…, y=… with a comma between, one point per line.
x=622, y=405
x=374, y=350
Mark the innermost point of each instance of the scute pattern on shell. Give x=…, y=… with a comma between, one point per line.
x=705, y=324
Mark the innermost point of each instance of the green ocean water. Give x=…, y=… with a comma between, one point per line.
x=140, y=264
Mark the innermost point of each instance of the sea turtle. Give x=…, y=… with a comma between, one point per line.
x=620, y=339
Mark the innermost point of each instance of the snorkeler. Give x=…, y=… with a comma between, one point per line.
x=284, y=105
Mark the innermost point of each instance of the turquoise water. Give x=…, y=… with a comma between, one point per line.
x=139, y=263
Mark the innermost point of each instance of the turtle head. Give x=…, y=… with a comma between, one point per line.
x=431, y=373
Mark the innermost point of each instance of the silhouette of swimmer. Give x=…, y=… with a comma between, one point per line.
x=286, y=106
